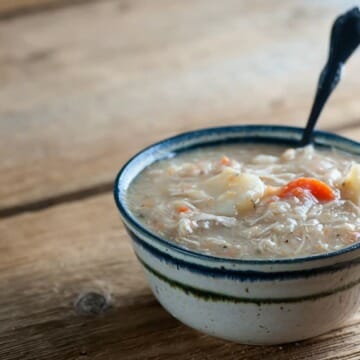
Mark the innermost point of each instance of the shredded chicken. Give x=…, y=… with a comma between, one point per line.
x=226, y=201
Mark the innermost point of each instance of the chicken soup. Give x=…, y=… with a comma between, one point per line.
x=252, y=201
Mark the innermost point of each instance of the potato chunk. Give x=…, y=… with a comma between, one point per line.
x=218, y=184
x=234, y=192
x=350, y=187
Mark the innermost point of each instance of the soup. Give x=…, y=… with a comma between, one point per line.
x=252, y=201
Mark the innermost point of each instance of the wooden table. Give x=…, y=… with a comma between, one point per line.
x=85, y=84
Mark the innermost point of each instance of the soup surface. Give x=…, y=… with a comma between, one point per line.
x=252, y=201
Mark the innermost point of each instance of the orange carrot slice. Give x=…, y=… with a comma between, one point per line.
x=299, y=187
x=183, y=208
x=225, y=161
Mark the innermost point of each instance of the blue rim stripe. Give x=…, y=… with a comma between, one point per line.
x=318, y=136
x=240, y=275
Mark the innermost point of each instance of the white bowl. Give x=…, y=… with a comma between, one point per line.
x=247, y=301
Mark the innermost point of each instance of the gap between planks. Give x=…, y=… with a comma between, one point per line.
x=55, y=200
x=10, y=9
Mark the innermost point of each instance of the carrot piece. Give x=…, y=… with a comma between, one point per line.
x=225, y=161
x=183, y=208
x=300, y=186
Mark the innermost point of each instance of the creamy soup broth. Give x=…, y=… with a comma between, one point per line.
x=252, y=201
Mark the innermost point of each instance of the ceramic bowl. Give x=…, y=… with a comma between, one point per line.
x=247, y=301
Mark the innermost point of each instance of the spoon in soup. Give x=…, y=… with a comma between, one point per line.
x=344, y=39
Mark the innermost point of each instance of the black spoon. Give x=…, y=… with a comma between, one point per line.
x=344, y=39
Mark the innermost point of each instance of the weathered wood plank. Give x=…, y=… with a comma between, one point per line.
x=352, y=132
x=50, y=258
x=83, y=89
x=13, y=8
x=10, y=6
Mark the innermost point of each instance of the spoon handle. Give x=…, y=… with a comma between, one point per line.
x=344, y=39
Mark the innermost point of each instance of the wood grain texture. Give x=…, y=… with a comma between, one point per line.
x=48, y=260
x=14, y=8
x=83, y=89
x=10, y=6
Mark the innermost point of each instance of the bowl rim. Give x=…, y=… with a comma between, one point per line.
x=130, y=219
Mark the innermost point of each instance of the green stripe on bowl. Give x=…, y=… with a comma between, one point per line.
x=213, y=296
